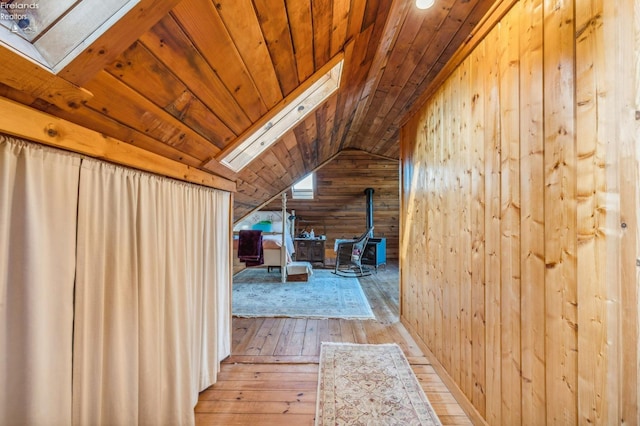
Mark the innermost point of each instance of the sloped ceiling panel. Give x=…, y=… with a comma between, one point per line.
x=196, y=77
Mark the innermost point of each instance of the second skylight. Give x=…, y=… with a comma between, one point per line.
x=284, y=120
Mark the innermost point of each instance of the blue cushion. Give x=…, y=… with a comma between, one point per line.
x=263, y=226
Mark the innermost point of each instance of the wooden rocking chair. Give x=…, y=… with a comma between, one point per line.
x=349, y=256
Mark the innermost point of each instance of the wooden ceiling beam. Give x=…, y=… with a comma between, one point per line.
x=91, y=119
x=30, y=124
x=116, y=40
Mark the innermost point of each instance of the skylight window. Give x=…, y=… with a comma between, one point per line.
x=304, y=189
x=54, y=32
x=283, y=118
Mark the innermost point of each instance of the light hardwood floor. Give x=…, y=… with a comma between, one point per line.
x=271, y=377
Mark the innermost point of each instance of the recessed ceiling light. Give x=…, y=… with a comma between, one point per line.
x=424, y=4
x=282, y=119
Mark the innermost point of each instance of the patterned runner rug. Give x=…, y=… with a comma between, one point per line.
x=257, y=293
x=369, y=385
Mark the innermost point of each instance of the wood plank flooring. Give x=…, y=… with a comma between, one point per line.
x=271, y=377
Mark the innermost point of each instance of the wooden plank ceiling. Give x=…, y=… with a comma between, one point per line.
x=184, y=79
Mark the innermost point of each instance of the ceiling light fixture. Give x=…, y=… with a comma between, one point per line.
x=424, y=4
x=283, y=118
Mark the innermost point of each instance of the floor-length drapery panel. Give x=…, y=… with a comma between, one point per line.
x=221, y=259
x=147, y=296
x=213, y=209
x=38, y=201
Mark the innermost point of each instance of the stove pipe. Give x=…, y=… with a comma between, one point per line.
x=369, y=193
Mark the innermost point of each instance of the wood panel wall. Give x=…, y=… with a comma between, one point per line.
x=338, y=208
x=519, y=217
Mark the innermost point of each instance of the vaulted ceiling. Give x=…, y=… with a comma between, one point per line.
x=186, y=78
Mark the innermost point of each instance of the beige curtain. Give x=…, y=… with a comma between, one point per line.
x=151, y=296
x=38, y=201
x=148, y=321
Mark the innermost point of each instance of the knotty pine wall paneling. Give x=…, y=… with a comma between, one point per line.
x=532, y=240
x=519, y=217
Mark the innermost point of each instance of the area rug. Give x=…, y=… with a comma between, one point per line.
x=257, y=293
x=369, y=385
